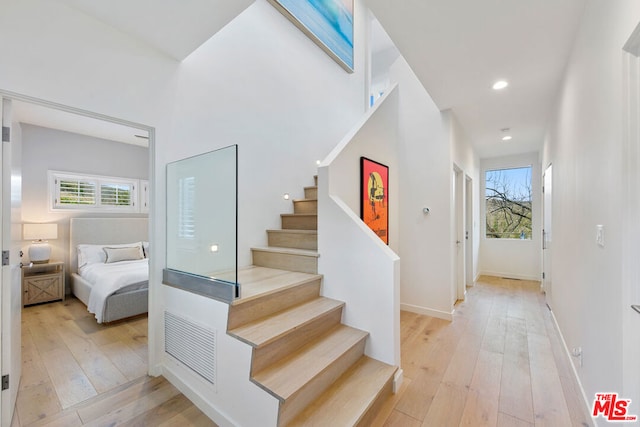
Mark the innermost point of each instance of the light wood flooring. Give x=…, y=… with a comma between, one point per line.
x=499, y=363
x=78, y=372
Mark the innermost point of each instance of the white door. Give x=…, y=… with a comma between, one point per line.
x=11, y=299
x=547, y=234
x=458, y=218
x=468, y=231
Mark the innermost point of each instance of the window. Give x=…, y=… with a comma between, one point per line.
x=76, y=191
x=86, y=192
x=508, y=203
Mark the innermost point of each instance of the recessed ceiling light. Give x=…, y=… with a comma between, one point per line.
x=500, y=84
x=506, y=138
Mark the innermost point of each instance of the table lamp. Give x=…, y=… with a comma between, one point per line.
x=40, y=250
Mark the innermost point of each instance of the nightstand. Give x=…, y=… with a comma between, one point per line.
x=42, y=282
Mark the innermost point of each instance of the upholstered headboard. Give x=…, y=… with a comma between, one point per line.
x=104, y=231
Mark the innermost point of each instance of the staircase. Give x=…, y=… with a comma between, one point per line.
x=302, y=354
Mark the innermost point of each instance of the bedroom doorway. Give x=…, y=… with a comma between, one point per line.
x=40, y=114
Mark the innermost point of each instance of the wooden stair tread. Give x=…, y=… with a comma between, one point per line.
x=311, y=232
x=305, y=200
x=297, y=215
x=310, y=187
x=249, y=291
x=290, y=374
x=350, y=397
x=264, y=331
x=289, y=251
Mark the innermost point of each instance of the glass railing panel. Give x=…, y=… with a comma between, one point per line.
x=202, y=247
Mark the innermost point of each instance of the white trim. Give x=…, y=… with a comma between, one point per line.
x=169, y=371
x=398, y=379
x=573, y=368
x=509, y=276
x=427, y=311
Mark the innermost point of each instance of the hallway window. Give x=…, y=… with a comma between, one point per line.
x=508, y=203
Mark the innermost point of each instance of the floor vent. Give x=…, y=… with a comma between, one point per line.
x=191, y=344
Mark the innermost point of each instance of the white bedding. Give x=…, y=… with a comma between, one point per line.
x=109, y=278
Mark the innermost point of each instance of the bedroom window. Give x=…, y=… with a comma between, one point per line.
x=86, y=192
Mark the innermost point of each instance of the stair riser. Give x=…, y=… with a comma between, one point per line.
x=368, y=418
x=299, y=401
x=272, y=352
x=291, y=262
x=273, y=303
x=293, y=240
x=300, y=222
x=311, y=193
x=305, y=206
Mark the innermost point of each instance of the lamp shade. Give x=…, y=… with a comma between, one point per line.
x=39, y=231
x=40, y=250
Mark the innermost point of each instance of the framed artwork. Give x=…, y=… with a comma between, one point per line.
x=329, y=23
x=374, y=197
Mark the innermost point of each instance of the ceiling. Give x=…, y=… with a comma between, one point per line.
x=26, y=112
x=457, y=48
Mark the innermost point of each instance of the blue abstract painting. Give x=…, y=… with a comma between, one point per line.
x=329, y=23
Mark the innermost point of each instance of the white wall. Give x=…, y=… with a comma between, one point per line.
x=46, y=149
x=425, y=173
x=514, y=258
x=585, y=146
x=465, y=158
x=372, y=278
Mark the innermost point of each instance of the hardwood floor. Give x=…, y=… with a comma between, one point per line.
x=499, y=363
x=78, y=372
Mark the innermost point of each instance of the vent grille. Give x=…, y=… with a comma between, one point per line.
x=191, y=344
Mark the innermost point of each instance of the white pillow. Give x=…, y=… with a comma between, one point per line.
x=89, y=254
x=129, y=253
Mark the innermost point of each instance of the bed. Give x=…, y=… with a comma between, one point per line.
x=118, y=235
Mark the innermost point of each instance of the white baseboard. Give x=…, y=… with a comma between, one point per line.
x=175, y=378
x=509, y=275
x=398, y=378
x=586, y=402
x=427, y=311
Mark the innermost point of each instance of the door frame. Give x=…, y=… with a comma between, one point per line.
x=153, y=330
x=458, y=216
x=547, y=233
x=468, y=232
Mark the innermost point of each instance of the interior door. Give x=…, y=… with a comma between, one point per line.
x=11, y=299
x=547, y=234
x=458, y=218
x=468, y=232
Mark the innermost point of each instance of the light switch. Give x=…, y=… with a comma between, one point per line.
x=600, y=235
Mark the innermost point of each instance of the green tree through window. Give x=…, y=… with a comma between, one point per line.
x=508, y=203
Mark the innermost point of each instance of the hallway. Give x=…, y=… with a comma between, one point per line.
x=499, y=363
